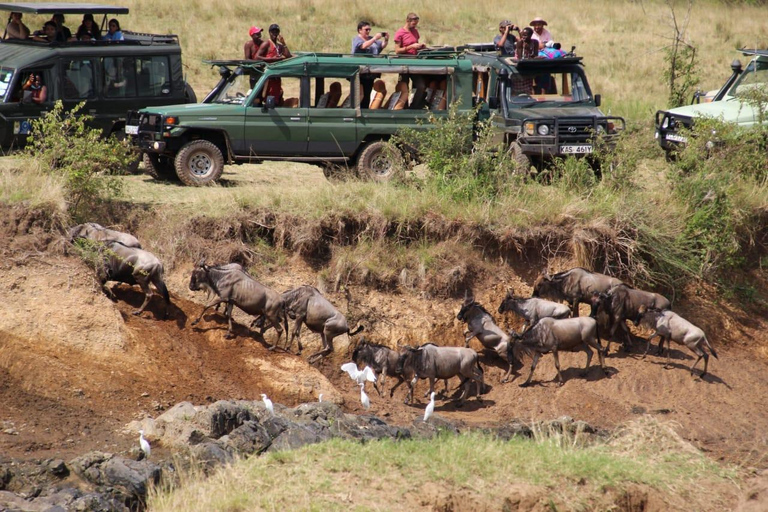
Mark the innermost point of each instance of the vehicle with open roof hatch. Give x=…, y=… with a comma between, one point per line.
x=111, y=77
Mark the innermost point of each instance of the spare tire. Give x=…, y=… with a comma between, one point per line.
x=189, y=93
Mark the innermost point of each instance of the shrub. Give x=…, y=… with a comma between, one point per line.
x=62, y=144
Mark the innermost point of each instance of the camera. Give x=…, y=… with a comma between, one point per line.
x=384, y=34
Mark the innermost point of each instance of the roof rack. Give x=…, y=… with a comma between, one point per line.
x=753, y=51
x=61, y=7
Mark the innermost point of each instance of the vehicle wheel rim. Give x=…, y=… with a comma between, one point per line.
x=381, y=165
x=200, y=165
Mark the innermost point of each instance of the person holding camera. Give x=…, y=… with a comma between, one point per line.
x=364, y=42
x=16, y=29
x=38, y=93
x=505, y=42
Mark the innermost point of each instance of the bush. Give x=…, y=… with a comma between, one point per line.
x=62, y=144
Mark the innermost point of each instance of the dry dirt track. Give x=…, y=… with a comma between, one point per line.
x=75, y=368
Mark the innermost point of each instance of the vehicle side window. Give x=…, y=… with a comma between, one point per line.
x=6, y=75
x=154, y=76
x=286, y=91
x=79, y=79
x=330, y=92
x=119, y=77
x=394, y=91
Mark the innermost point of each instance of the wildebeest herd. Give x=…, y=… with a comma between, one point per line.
x=549, y=327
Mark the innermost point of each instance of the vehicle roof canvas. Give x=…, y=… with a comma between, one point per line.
x=62, y=7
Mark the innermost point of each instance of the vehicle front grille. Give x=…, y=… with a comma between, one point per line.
x=150, y=123
x=576, y=130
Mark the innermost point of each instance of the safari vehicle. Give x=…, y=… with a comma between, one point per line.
x=542, y=108
x=112, y=77
x=730, y=104
x=303, y=109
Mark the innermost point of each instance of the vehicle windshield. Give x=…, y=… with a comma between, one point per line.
x=529, y=89
x=6, y=75
x=755, y=76
x=238, y=88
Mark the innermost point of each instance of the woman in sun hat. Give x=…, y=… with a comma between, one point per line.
x=540, y=34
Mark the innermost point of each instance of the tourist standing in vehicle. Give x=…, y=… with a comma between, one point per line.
x=114, y=33
x=279, y=48
x=38, y=91
x=407, y=37
x=251, y=47
x=505, y=41
x=16, y=29
x=88, y=26
x=527, y=47
x=58, y=19
x=364, y=42
x=271, y=50
x=540, y=34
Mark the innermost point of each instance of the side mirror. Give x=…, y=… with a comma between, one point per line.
x=493, y=102
x=598, y=100
x=270, y=103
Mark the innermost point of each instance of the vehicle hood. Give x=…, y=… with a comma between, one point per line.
x=581, y=111
x=194, y=109
x=729, y=109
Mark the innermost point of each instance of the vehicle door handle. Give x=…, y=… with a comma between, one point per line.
x=296, y=119
x=349, y=119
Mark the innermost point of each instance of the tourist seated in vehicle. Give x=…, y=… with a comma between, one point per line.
x=49, y=34
x=527, y=47
x=505, y=41
x=16, y=29
x=33, y=89
x=65, y=33
x=88, y=27
x=114, y=33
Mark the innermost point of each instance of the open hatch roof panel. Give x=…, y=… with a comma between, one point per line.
x=62, y=7
x=749, y=51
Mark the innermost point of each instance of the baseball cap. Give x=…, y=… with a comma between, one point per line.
x=505, y=23
x=274, y=26
x=254, y=30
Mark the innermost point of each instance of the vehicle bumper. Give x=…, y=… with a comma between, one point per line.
x=667, y=132
x=570, y=136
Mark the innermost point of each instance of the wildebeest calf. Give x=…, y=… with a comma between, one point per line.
x=98, y=233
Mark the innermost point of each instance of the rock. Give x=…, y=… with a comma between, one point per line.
x=366, y=428
x=130, y=475
x=293, y=437
x=434, y=426
x=226, y=416
x=250, y=437
x=87, y=466
x=211, y=454
x=58, y=468
x=513, y=429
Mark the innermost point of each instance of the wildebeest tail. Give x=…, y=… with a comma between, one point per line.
x=710, y=347
x=360, y=328
x=163, y=290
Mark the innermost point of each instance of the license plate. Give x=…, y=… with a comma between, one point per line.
x=676, y=138
x=576, y=150
x=131, y=130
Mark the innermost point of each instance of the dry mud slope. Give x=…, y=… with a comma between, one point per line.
x=75, y=367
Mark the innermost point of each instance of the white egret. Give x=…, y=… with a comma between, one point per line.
x=268, y=404
x=144, y=444
x=359, y=376
x=320, y=398
x=430, y=407
x=363, y=397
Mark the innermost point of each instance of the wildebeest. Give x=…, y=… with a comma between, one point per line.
x=382, y=360
x=481, y=325
x=623, y=303
x=533, y=309
x=98, y=233
x=131, y=265
x=573, y=286
x=236, y=288
x=553, y=335
x=306, y=305
x=432, y=362
x=668, y=325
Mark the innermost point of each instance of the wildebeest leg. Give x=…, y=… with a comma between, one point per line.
x=400, y=381
x=464, y=385
x=589, y=359
x=601, y=358
x=535, y=361
x=275, y=321
x=468, y=337
x=327, y=349
x=648, y=342
x=296, y=333
x=214, y=303
x=557, y=365
x=228, y=313
x=411, y=384
x=702, y=355
x=431, y=387
x=378, y=384
x=147, y=295
x=669, y=351
x=508, y=374
x=575, y=308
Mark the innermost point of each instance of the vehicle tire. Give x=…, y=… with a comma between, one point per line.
x=199, y=163
x=522, y=161
x=159, y=167
x=336, y=173
x=378, y=161
x=189, y=93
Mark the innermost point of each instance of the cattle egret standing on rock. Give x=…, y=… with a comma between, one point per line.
x=144, y=444
x=268, y=404
x=359, y=376
x=320, y=398
x=430, y=407
x=363, y=397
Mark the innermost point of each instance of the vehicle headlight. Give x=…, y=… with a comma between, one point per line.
x=600, y=129
x=543, y=129
x=665, y=123
x=529, y=128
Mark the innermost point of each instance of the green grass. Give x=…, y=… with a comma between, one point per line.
x=391, y=475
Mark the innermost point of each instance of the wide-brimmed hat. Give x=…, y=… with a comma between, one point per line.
x=254, y=30
x=505, y=23
x=537, y=20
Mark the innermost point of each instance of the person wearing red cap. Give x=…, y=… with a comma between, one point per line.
x=540, y=34
x=252, y=45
